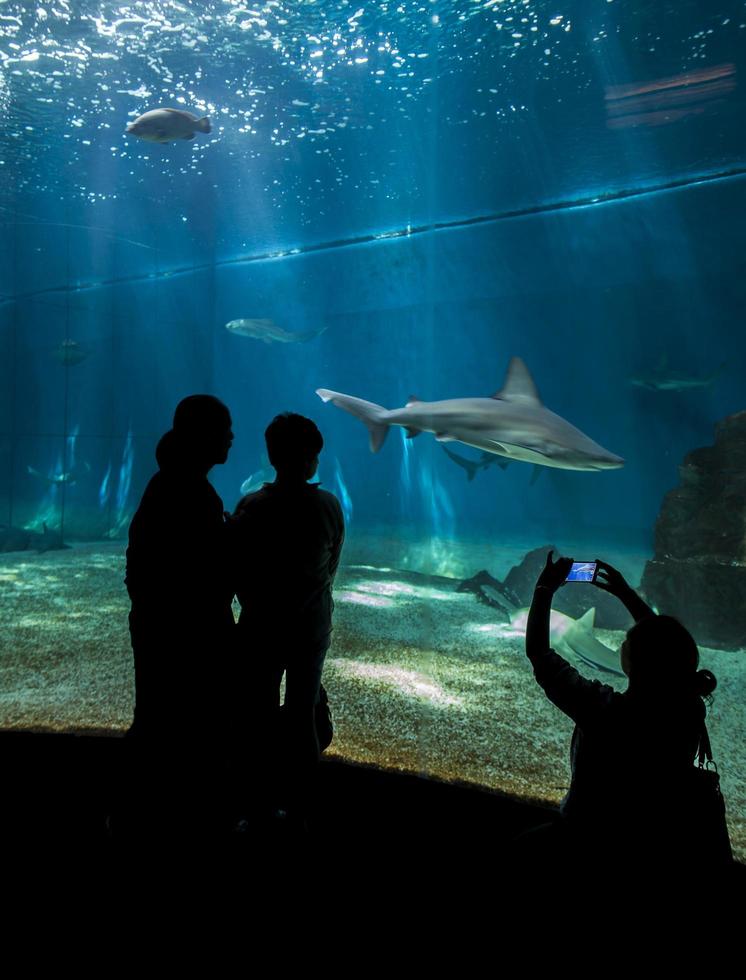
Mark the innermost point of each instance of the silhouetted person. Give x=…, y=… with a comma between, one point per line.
x=632, y=753
x=178, y=579
x=288, y=539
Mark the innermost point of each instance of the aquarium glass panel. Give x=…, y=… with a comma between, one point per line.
x=387, y=201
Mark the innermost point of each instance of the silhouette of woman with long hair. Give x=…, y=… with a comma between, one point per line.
x=632, y=752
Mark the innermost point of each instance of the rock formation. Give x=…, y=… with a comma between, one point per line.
x=698, y=572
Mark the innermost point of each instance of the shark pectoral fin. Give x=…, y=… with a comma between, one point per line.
x=412, y=432
x=518, y=385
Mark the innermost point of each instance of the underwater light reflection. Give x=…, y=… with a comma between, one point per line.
x=342, y=491
x=105, y=488
x=405, y=590
x=410, y=683
x=363, y=600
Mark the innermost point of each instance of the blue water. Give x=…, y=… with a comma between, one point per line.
x=441, y=185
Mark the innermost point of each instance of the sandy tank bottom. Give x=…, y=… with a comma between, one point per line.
x=421, y=678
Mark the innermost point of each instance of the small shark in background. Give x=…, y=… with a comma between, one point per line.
x=268, y=332
x=664, y=378
x=512, y=423
x=473, y=466
x=55, y=479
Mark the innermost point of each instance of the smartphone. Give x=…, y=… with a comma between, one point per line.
x=583, y=571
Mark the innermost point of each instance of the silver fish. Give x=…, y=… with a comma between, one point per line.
x=268, y=331
x=166, y=125
x=512, y=423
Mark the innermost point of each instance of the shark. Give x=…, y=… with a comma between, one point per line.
x=472, y=467
x=61, y=476
x=574, y=639
x=664, y=378
x=512, y=423
x=269, y=332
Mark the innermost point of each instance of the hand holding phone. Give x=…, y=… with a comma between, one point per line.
x=583, y=571
x=554, y=574
x=611, y=580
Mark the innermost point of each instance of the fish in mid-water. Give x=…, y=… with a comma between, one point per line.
x=165, y=125
x=70, y=477
x=268, y=331
x=257, y=480
x=512, y=423
x=70, y=352
x=665, y=378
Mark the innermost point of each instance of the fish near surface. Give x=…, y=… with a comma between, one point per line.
x=166, y=125
x=512, y=423
x=268, y=331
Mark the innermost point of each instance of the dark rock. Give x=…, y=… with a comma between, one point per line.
x=19, y=539
x=14, y=539
x=705, y=594
x=491, y=592
x=49, y=540
x=573, y=599
x=698, y=572
x=478, y=582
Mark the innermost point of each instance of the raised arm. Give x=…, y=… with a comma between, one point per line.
x=611, y=580
x=537, y=627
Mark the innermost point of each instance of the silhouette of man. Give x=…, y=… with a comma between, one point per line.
x=287, y=542
x=181, y=622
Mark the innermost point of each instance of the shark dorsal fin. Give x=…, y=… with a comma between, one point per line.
x=587, y=620
x=519, y=385
x=413, y=400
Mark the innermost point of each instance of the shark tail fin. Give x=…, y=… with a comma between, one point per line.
x=368, y=412
x=311, y=334
x=466, y=464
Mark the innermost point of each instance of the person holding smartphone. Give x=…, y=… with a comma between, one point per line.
x=631, y=750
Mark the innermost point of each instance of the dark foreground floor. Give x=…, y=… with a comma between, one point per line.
x=377, y=842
